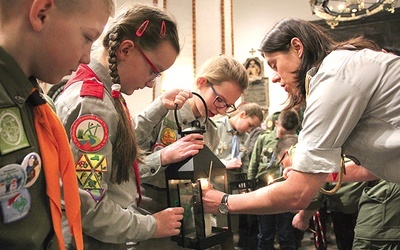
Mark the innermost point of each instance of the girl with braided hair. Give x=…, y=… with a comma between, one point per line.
x=137, y=47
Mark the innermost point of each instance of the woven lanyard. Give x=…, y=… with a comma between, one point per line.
x=319, y=230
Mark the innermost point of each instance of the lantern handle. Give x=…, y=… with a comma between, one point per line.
x=197, y=128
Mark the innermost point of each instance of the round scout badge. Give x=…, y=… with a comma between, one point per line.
x=89, y=133
x=14, y=198
x=12, y=180
x=168, y=136
x=32, y=164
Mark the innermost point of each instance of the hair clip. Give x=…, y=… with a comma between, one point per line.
x=142, y=28
x=116, y=90
x=163, y=30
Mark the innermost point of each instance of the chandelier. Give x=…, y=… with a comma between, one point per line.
x=335, y=11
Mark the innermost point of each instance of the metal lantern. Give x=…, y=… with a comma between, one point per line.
x=185, y=180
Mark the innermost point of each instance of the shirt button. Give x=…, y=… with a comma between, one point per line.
x=152, y=170
x=19, y=99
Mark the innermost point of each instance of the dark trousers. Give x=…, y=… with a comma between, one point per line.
x=248, y=231
x=343, y=225
x=281, y=224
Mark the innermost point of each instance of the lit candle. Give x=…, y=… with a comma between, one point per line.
x=270, y=179
x=207, y=217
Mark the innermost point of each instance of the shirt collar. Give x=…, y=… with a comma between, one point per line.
x=14, y=80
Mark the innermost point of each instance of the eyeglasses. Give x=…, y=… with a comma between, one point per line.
x=156, y=73
x=219, y=103
x=283, y=157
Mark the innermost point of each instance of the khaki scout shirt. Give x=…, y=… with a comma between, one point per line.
x=352, y=108
x=156, y=128
x=261, y=157
x=114, y=218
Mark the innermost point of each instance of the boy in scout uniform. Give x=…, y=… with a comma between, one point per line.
x=30, y=49
x=233, y=130
x=265, y=167
x=263, y=162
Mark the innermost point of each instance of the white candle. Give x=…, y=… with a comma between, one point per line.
x=207, y=217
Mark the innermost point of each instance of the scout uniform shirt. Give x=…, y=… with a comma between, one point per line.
x=156, y=128
x=226, y=142
x=25, y=220
x=260, y=166
x=86, y=109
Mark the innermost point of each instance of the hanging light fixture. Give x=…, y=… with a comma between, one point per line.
x=335, y=11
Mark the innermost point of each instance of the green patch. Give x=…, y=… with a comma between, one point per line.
x=12, y=133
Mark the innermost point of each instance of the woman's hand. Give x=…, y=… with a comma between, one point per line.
x=211, y=200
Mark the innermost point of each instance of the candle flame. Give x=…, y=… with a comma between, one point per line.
x=270, y=179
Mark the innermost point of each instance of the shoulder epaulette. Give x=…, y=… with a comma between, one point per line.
x=93, y=88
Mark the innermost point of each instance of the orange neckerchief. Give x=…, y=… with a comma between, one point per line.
x=58, y=162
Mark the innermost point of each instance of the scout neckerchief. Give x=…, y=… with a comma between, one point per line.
x=58, y=162
x=85, y=72
x=309, y=76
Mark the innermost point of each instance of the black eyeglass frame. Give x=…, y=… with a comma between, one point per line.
x=220, y=103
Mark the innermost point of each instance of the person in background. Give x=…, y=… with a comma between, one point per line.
x=30, y=50
x=263, y=160
x=265, y=166
x=343, y=207
x=234, y=151
x=233, y=131
x=139, y=44
x=360, y=120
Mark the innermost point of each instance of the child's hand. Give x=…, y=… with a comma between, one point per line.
x=175, y=96
x=286, y=172
x=233, y=163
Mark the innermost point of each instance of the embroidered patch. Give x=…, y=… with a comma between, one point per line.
x=89, y=170
x=168, y=136
x=12, y=134
x=89, y=133
x=17, y=207
x=32, y=164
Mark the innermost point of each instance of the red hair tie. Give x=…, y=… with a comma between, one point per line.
x=116, y=90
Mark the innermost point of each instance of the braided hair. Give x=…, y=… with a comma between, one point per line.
x=159, y=27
